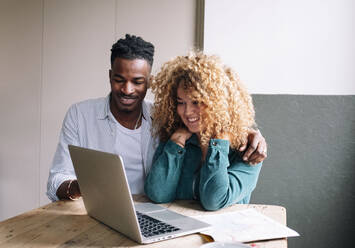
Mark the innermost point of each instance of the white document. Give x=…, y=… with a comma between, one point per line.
x=244, y=226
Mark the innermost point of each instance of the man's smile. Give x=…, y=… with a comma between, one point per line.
x=127, y=100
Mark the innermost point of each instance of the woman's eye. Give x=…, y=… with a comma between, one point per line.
x=195, y=102
x=179, y=103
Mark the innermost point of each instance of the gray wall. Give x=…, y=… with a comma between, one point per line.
x=304, y=48
x=311, y=165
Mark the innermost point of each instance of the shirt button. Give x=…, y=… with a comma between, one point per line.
x=214, y=143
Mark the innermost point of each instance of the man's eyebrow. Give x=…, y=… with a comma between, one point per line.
x=140, y=78
x=136, y=78
x=118, y=75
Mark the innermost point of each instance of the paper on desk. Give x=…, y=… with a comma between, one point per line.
x=244, y=226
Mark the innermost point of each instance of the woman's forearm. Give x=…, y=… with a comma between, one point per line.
x=224, y=181
x=162, y=181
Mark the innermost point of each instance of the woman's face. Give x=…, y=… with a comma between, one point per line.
x=188, y=110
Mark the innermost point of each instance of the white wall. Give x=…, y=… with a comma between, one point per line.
x=169, y=25
x=57, y=52
x=20, y=85
x=77, y=36
x=289, y=47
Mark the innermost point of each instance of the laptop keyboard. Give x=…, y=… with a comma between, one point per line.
x=151, y=227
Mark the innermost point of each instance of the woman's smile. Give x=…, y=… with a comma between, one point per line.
x=188, y=110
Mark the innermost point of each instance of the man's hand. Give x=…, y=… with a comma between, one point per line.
x=180, y=136
x=69, y=190
x=255, y=150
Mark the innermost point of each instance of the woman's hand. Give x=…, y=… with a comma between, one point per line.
x=180, y=136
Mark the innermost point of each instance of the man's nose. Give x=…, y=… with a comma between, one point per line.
x=127, y=88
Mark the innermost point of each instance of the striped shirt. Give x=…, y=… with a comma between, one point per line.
x=90, y=124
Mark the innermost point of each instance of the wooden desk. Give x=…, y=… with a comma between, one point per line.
x=66, y=224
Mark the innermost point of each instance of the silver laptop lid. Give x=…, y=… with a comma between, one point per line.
x=106, y=198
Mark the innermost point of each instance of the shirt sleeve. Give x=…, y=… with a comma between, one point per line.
x=163, y=179
x=62, y=167
x=224, y=182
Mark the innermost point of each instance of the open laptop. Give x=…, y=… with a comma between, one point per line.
x=107, y=198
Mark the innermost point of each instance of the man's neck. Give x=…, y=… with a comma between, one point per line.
x=128, y=119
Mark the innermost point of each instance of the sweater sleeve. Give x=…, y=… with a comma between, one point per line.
x=224, y=182
x=163, y=179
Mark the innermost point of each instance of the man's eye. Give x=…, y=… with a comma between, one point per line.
x=119, y=80
x=139, y=82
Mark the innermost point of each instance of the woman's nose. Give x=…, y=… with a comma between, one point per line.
x=189, y=109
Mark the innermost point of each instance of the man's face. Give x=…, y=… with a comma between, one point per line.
x=129, y=79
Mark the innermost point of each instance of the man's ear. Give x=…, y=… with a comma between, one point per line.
x=151, y=77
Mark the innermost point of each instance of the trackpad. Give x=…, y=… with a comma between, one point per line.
x=148, y=207
x=166, y=215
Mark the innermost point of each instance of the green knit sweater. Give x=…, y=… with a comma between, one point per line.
x=223, y=179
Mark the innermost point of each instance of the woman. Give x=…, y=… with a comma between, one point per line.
x=202, y=115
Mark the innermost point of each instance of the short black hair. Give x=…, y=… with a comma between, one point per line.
x=132, y=47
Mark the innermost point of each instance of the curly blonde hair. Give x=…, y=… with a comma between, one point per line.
x=227, y=106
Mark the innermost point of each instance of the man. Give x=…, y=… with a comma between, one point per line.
x=119, y=123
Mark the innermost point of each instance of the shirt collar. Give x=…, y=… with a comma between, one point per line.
x=105, y=111
x=193, y=140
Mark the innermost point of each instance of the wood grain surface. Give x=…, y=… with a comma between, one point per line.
x=66, y=224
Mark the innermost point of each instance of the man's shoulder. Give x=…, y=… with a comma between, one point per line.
x=91, y=102
x=95, y=105
x=148, y=104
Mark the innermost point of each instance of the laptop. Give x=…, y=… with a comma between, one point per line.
x=107, y=198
